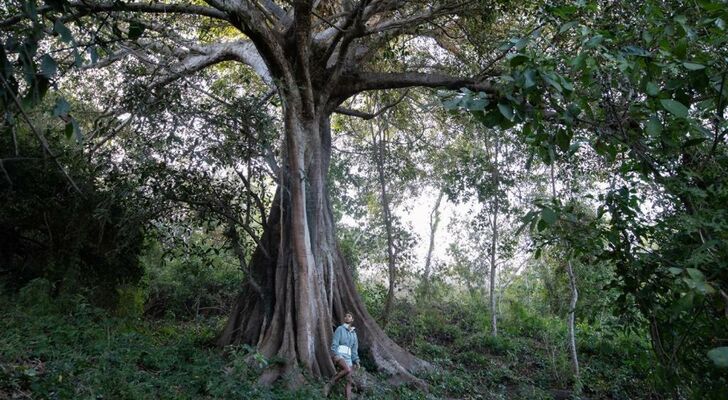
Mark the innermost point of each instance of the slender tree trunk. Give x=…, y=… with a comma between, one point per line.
x=434, y=222
x=379, y=147
x=305, y=287
x=572, y=302
x=572, y=313
x=494, y=247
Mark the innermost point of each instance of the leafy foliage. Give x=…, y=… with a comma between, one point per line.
x=73, y=225
x=643, y=86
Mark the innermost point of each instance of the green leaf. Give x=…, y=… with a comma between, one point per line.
x=565, y=27
x=719, y=355
x=521, y=44
x=62, y=31
x=506, y=110
x=578, y=62
x=490, y=119
x=694, y=142
x=452, y=103
x=681, y=48
x=61, y=108
x=676, y=108
x=636, y=51
x=38, y=90
x=693, y=66
x=695, y=274
x=675, y=271
x=594, y=41
x=549, y=216
x=30, y=9
x=77, y=59
x=529, y=78
x=77, y=131
x=653, y=127
x=48, y=66
x=563, y=139
x=477, y=104
x=68, y=130
x=550, y=80
x=652, y=89
x=567, y=85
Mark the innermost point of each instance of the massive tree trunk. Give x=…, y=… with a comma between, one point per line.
x=305, y=287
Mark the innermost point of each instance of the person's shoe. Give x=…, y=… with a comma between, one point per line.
x=327, y=389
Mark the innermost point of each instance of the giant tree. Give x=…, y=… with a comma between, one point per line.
x=314, y=56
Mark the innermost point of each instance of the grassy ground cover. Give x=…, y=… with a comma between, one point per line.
x=65, y=348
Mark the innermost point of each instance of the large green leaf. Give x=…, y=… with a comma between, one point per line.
x=549, y=216
x=62, y=31
x=676, y=108
x=652, y=89
x=653, y=127
x=506, y=110
x=693, y=66
x=48, y=66
x=529, y=78
x=61, y=108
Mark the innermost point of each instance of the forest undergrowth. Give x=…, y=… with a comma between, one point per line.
x=63, y=348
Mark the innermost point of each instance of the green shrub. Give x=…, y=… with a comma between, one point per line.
x=200, y=280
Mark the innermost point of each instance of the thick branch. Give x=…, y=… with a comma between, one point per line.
x=414, y=19
x=149, y=8
x=242, y=51
x=365, y=81
x=251, y=19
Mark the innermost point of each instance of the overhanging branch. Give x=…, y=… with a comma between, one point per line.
x=149, y=8
x=368, y=116
x=365, y=81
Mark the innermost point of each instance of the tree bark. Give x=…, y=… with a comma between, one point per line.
x=379, y=149
x=572, y=334
x=494, y=246
x=306, y=287
x=434, y=222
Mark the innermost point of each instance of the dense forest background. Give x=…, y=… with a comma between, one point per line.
x=567, y=160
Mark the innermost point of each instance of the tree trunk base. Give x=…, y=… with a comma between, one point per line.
x=266, y=316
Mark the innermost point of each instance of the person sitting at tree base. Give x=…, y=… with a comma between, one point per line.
x=344, y=351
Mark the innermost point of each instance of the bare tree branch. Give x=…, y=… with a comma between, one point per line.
x=368, y=116
x=149, y=8
x=365, y=81
x=243, y=51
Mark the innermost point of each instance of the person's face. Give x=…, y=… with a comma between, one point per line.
x=348, y=319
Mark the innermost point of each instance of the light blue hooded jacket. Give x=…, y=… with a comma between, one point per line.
x=346, y=337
